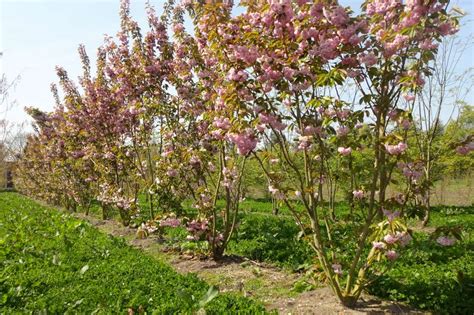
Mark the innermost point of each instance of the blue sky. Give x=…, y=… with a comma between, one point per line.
x=37, y=35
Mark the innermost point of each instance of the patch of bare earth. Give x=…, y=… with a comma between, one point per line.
x=264, y=282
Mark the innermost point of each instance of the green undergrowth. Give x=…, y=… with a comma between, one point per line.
x=426, y=276
x=53, y=263
x=432, y=277
x=271, y=239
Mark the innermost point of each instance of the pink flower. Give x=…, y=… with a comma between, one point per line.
x=277, y=194
x=304, y=142
x=392, y=114
x=337, y=268
x=445, y=241
x=167, y=152
x=465, y=149
x=271, y=120
x=353, y=73
x=344, y=151
x=171, y=172
x=390, y=239
x=310, y=130
x=428, y=45
x=409, y=97
x=378, y=245
x=342, y=131
x=237, y=75
x=405, y=124
x=391, y=255
x=447, y=29
x=245, y=141
x=178, y=28
x=358, y=194
x=171, y=222
x=248, y=55
x=404, y=238
x=462, y=150
x=221, y=123
x=396, y=149
x=368, y=59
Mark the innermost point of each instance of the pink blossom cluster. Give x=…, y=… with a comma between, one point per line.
x=304, y=142
x=268, y=119
x=369, y=59
x=110, y=196
x=337, y=268
x=245, y=141
x=391, y=255
x=358, y=194
x=197, y=228
x=398, y=43
x=222, y=123
x=148, y=227
x=204, y=201
x=342, y=131
x=237, y=75
x=403, y=238
x=404, y=123
x=412, y=171
x=246, y=54
x=170, y=222
x=409, y=97
x=172, y=172
x=277, y=194
x=396, y=149
x=465, y=149
x=229, y=176
x=379, y=245
x=390, y=240
x=217, y=240
x=314, y=130
x=382, y=6
x=344, y=151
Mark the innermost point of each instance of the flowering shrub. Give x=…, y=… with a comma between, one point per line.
x=278, y=59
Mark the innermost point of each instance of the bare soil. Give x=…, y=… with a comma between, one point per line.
x=268, y=284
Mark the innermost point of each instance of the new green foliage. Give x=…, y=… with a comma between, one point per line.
x=52, y=262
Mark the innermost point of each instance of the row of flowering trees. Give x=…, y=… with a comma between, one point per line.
x=175, y=118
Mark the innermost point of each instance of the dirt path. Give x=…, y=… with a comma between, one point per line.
x=270, y=285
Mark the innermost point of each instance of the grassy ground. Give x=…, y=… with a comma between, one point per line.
x=60, y=264
x=53, y=263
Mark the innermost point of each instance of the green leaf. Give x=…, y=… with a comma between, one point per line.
x=209, y=296
x=84, y=269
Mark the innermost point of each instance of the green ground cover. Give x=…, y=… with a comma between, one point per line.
x=53, y=263
x=427, y=275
